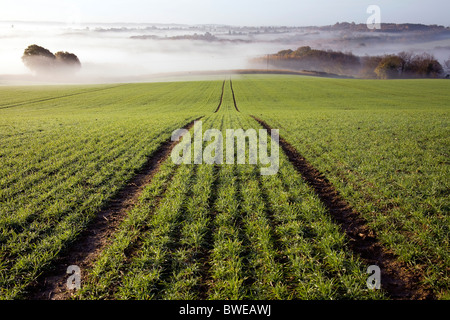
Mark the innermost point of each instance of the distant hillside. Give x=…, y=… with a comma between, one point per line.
x=385, y=27
x=402, y=65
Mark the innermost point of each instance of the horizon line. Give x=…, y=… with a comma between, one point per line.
x=214, y=24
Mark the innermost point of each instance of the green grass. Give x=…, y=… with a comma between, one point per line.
x=383, y=144
x=225, y=231
x=62, y=159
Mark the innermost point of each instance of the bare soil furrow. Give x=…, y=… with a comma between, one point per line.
x=234, y=96
x=397, y=279
x=221, y=97
x=91, y=242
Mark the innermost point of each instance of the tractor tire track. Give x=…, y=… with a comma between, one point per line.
x=234, y=96
x=397, y=279
x=91, y=242
x=221, y=97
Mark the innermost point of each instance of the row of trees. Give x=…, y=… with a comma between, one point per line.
x=44, y=62
x=402, y=65
x=306, y=58
x=408, y=65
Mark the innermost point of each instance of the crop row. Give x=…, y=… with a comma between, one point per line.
x=383, y=145
x=63, y=159
x=225, y=232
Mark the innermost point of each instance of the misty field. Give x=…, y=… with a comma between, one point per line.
x=224, y=231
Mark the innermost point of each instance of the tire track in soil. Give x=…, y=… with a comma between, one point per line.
x=221, y=97
x=51, y=285
x=397, y=279
x=234, y=97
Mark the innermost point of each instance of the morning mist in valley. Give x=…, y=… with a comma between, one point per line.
x=111, y=52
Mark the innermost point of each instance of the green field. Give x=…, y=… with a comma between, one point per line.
x=224, y=231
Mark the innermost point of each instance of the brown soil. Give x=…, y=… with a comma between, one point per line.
x=234, y=97
x=84, y=251
x=57, y=97
x=221, y=97
x=400, y=281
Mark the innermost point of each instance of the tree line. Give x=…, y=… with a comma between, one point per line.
x=392, y=66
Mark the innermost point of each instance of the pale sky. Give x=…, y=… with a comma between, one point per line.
x=232, y=12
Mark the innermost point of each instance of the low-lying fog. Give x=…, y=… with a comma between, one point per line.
x=120, y=52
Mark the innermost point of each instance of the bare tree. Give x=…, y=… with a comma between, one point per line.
x=447, y=63
x=407, y=58
x=426, y=65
